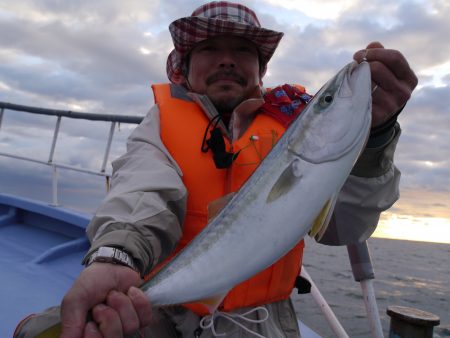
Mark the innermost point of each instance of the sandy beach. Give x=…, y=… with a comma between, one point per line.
x=407, y=273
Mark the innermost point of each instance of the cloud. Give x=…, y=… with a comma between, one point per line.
x=316, y=51
x=423, y=202
x=324, y=10
x=423, y=154
x=101, y=57
x=94, y=59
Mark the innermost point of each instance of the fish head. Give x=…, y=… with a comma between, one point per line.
x=337, y=119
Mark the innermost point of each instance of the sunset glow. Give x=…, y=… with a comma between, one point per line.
x=409, y=227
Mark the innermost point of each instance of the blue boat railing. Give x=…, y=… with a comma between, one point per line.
x=59, y=114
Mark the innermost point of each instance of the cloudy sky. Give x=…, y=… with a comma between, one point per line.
x=101, y=56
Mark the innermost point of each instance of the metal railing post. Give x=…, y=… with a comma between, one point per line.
x=55, y=136
x=108, y=183
x=55, y=186
x=1, y=116
x=363, y=273
x=108, y=146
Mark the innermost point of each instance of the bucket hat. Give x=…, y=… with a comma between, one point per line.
x=214, y=19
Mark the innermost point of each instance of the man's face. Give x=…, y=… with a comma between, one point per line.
x=226, y=69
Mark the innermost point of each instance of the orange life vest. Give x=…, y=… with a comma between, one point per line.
x=183, y=125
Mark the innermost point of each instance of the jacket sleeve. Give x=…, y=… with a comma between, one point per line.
x=371, y=188
x=144, y=210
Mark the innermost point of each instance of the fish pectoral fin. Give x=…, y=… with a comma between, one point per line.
x=213, y=303
x=286, y=181
x=323, y=219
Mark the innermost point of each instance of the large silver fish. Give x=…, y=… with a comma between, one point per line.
x=290, y=194
x=277, y=206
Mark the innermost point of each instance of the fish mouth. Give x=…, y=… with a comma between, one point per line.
x=359, y=76
x=353, y=75
x=356, y=76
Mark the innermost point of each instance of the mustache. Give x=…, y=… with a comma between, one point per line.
x=228, y=75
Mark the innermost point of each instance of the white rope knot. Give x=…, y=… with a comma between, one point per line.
x=207, y=322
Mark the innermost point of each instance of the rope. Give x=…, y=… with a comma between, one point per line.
x=207, y=322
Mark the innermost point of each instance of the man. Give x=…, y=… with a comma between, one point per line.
x=217, y=66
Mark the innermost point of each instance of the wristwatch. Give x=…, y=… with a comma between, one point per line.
x=106, y=254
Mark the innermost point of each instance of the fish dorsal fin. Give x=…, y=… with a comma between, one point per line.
x=323, y=219
x=286, y=181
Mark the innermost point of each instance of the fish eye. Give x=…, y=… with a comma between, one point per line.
x=326, y=100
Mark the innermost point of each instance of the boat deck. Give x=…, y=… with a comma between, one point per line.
x=41, y=248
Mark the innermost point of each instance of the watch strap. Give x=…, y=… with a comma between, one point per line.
x=106, y=254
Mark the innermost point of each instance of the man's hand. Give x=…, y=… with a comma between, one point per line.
x=392, y=80
x=110, y=292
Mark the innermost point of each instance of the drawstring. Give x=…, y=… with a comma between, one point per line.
x=222, y=159
x=207, y=322
x=205, y=143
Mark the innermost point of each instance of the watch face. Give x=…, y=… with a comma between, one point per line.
x=105, y=251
